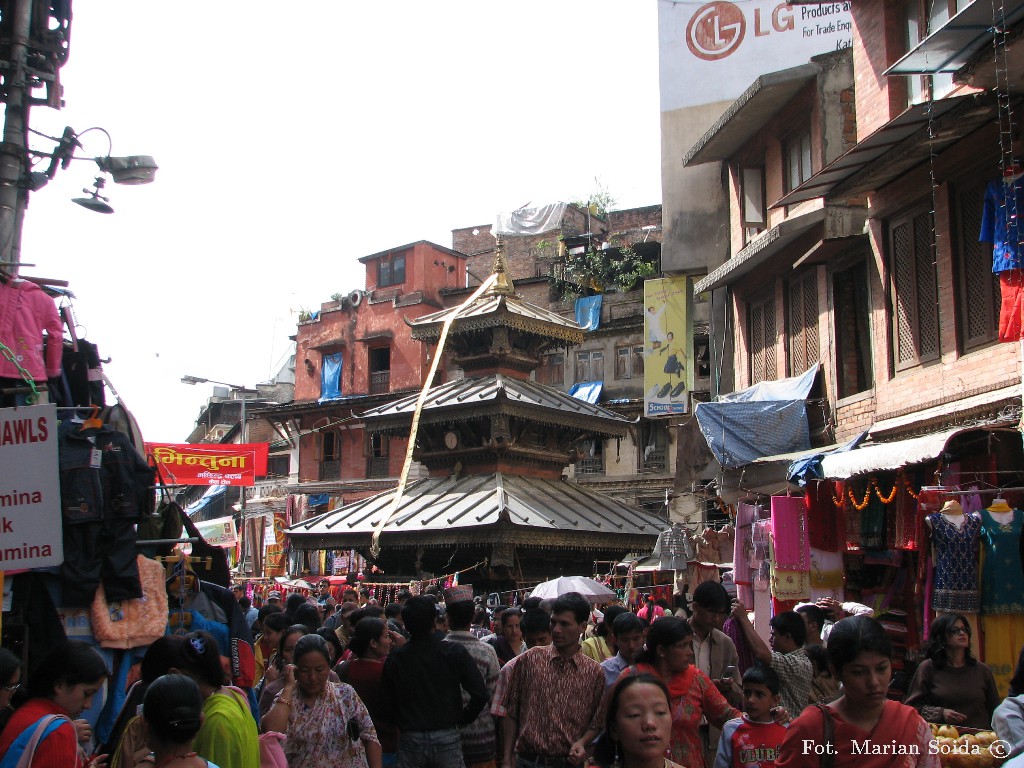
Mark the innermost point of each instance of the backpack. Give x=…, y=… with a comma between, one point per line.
x=23, y=750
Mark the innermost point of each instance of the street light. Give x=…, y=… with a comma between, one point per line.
x=193, y=380
x=35, y=46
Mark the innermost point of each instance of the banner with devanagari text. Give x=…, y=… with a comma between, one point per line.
x=209, y=464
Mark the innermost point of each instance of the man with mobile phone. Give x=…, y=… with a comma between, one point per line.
x=714, y=653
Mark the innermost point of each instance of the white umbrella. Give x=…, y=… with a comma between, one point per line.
x=594, y=591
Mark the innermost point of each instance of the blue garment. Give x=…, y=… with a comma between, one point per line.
x=1001, y=224
x=613, y=668
x=956, y=564
x=1001, y=572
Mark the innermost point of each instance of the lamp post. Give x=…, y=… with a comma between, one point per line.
x=23, y=74
x=193, y=380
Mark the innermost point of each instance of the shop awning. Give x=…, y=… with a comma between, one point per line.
x=878, y=457
x=749, y=113
x=760, y=249
x=899, y=145
x=952, y=45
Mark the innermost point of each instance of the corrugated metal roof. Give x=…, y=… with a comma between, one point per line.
x=488, y=389
x=490, y=309
x=482, y=501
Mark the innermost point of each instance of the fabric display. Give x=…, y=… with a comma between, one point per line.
x=1001, y=226
x=791, y=565
x=30, y=326
x=674, y=548
x=827, y=577
x=822, y=531
x=743, y=551
x=105, y=487
x=956, y=561
x=1002, y=582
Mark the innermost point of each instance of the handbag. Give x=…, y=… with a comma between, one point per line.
x=827, y=758
x=271, y=751
x=23, y=750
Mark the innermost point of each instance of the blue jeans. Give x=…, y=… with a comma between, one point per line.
x=430, y=749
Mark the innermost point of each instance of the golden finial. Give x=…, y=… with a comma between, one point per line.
x=503, y=285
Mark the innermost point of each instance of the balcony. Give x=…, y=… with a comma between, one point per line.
x=377, y=466
x=380, y=382
x=590, y=465
x=330, y=470
x=655, y=461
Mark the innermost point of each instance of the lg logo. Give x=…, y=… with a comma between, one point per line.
x=717, y=29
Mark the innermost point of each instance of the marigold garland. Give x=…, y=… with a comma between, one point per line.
x=888, y=499
x=864, y=502
x=909, y=488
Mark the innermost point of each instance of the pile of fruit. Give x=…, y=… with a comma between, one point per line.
x=980, y=749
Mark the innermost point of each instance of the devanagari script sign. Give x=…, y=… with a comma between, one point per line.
x=210, y=464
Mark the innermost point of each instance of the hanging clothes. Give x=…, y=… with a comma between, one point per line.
x=1002, y=583
x=956, y=563
x=743, y=551
x=105, y=488
x=822, y=531
x=791, y=564
x=30, y=326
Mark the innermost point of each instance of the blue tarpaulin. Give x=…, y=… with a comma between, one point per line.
x=213, y=492
x=587, y=391
x=316, y=499
x=330, y=377
x=766, y=419
x=588, y=312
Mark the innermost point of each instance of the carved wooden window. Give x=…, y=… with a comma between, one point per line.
x=977, y=287
x=803, y=322
x=914, y=288
x=762, y=340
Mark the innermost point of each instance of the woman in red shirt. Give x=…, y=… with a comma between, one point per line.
x=64, y=684
x=370, y=645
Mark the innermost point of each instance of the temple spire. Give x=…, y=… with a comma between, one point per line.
x=503, y=285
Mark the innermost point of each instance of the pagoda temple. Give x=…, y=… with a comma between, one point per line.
x=496, y=446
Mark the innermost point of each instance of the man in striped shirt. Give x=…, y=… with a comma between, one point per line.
x=553, y=701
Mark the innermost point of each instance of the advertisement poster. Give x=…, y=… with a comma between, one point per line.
x=275, y=560
x=713, y=51
x=220, y=532
x=206, y=464
x=668, y=373
x=30, y=516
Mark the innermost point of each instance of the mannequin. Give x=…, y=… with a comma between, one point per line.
x=1000, y=510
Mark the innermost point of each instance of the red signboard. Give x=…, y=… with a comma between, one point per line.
x=218, y=464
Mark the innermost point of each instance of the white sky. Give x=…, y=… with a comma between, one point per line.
x=291, y=145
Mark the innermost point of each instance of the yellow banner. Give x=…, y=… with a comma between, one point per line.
x=668, y=347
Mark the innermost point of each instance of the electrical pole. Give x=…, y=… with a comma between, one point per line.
x=13, y=193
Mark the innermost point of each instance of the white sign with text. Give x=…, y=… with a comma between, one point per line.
x=30, y=521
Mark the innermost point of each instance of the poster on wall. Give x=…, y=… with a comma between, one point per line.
x=668, y=373
x=30, y=514
x=713, y=51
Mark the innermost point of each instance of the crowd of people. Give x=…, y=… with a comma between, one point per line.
x=437, y=681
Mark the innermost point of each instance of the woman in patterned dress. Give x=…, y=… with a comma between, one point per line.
x=326, y=723
x=668, y=654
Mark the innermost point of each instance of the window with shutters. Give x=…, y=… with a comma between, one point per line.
x=803, y=322
x=552, y=370
x=914, y=290
x=977, y=299
x=590, y=366
x=755, y=215
x=797, y=154
x=762, y=339
x=852, y=316
x=629, y=362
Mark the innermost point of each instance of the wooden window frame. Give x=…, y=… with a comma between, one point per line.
x=794, y=147
x=803, y=321
x=758, y=343
x=592, y=357
x=977, y=287
x=391, y=270
x=913, y=289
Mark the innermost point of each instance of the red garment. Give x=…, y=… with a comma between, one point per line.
x=692, y=696
x=898, y=724
x=1011, y=308
x=58, y=750
x=822, y=531
x=25, y=313
x=364, y=676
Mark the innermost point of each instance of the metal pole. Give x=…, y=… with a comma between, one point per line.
x=245, y=523
x=13, y=195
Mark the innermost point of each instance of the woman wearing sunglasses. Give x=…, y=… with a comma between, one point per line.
x=950, y=686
